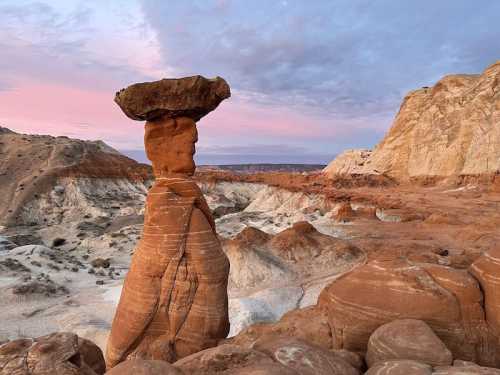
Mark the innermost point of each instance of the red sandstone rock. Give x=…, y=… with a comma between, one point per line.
x=486, y=269
x=309, y=324
x=407, y=339
x=141, y=367
x=192, y=97
x=226, y=359
x=304, y=358
x=174, y=299
x=465, y=368
x=57, y=353
x=400, y=367
x=448, y=300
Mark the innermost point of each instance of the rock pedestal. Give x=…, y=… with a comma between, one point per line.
x=174, y=299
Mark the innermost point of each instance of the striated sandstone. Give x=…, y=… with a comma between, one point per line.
x=407, y=339
x=486, y=270
x=225, y=359
x=174, y=299
x=142, y=367
x=465, y=368
x=448, y=130
x=57, y=353
x=304, y=358
x=192, y=97
x=448, y=300
x=309, y=324
x=400, y=367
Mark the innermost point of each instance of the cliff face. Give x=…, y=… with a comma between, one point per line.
x=450, y=129
x=32, y=165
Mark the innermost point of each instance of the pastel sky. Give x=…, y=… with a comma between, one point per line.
x=309, y=78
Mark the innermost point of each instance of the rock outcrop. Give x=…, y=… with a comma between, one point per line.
x=448, y=300
x=174, y=300
x=400, y=367
x=348, y=162
x=281, y=356
x=192, y=97
x=144, y=367
x=57, y=353
x=486, y=269
x=33, y=169
x=448, y=130
x=407, y=339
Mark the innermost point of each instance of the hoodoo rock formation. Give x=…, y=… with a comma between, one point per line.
x=449, y=130
x=174, y=300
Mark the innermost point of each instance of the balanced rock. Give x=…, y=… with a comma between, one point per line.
x=142, y=367
x=191, y=97
x=407, y=339
x=400, y=367
x=448, y=300
x=57, y=353
x=174, y=299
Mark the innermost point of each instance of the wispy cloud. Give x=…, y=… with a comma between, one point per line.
x=345, y=58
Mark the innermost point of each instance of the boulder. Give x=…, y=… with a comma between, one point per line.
x=309, y=324
x=142, y=367
x=407, y=339
x=465, y=368
x=448, y=300
x=304, y=358
x=400, y=367
x=57, y=353
x=192, y=97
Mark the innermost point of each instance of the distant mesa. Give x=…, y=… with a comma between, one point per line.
x=192, y=97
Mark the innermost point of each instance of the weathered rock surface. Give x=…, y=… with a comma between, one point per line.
x=304, y=358
x=450, y=129
x=192, y=97
x=448, y=300
x=174, y=300
x=407, y=339
x=58, y=353
x=276, y=356
x=348, y=162
x=400, y=367
x=486, y=270
x=309, y=324
x=225, y=359
x=142, y=367
x=465, y=368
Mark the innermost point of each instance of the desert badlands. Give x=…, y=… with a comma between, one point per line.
x=387, y=261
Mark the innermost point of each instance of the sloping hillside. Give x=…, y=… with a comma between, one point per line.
x=31, y=165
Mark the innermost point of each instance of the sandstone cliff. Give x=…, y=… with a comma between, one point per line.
x=450, y=129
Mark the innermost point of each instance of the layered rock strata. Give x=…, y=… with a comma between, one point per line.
x=174, y=299
x=448, y=130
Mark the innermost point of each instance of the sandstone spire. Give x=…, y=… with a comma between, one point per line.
x=174, y=299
